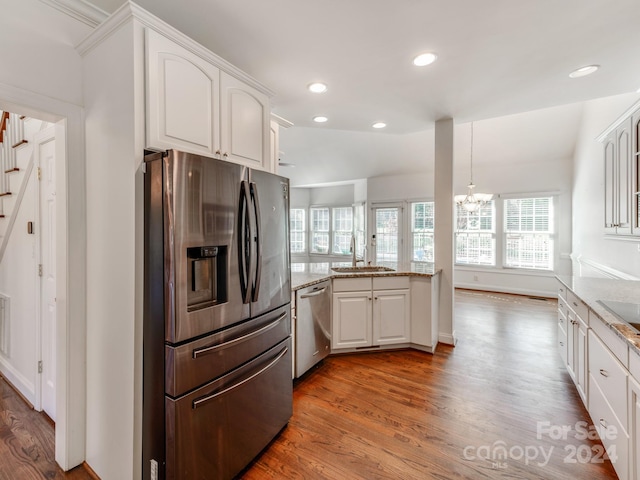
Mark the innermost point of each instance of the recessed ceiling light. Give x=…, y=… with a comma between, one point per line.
x=317, y=87
x=320, y=119
x=379, y=125
x=584, y=71
x=424, y=59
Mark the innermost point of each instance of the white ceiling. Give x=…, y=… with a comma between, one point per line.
x=495, y=58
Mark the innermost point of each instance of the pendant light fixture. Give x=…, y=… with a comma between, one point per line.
x=472, y=202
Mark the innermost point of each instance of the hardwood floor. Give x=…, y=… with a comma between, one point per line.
x=412, y=415
x=27, y=442
x=404, y=414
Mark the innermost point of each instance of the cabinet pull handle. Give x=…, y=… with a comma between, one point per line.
x=561, y=344
x=574, y=304
x=604, y=373
x=603, y=423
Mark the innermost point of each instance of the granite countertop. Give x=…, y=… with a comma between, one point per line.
x=308, y=273
x=590, y=290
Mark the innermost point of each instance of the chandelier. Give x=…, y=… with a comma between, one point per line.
x=472, y=201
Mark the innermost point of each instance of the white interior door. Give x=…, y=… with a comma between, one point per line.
x=387, y=223
x=45, y=146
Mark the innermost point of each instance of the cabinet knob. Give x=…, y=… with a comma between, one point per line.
x=562, y=344
x=225, y=154
x=604, y=373
x=218, y=152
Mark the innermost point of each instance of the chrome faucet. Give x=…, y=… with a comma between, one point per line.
x=352, y=249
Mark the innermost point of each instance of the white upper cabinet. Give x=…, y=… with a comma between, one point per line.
x=621, y=143
x=182, y=98
x=193, y=105
x=245, y=123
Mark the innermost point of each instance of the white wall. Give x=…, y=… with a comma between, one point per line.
x=589, y=241
x=18, y=281
x=113, y=72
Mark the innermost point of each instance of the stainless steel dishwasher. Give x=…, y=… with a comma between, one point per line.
x=313, y=326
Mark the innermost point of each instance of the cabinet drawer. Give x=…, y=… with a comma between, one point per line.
x=610, y=376
x=614, y=438
x=613, y=342
x=562, y=314
x=578, y=306
x=390, y=283
x=562, y=344
x=351, y=284
x=562, y=291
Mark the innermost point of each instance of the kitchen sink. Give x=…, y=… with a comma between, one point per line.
x=364, y=268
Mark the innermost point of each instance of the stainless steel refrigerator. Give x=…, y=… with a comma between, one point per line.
x=217, y=384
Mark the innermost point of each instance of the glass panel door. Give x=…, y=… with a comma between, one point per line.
x=388, y=228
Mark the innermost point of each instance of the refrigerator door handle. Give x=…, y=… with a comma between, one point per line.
x=258, y=272
x=244, y=240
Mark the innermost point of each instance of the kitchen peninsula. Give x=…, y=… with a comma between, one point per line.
x=372, y=310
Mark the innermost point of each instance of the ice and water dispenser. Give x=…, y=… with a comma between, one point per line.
x=206, y=276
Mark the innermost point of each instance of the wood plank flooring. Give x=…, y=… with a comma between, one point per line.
x=412, y=415
x=402, y=414
x=27, y=442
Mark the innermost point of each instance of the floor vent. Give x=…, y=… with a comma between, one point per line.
x=4, y=325
x=542, y=299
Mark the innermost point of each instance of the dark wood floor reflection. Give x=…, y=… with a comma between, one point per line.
x=412, y=415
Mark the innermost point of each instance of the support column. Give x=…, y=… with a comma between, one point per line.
x=444, y=234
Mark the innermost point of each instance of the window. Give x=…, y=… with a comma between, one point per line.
x=319, y=230
x=422, y=222
x=331, y=230
x=475, y=236
x=528, y=230
x=342, y=230
x=297, y=230
x=387, y=223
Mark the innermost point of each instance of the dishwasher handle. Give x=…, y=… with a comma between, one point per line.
x=315, y=293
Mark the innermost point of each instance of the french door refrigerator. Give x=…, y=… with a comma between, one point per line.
x=217, y=361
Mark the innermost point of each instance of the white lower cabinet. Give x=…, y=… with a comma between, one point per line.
x=577, y=352
x=634, y=429
x=370, y=312
x=391, y=320
x=351, y=320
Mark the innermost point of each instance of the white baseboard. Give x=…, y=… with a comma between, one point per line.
x=447, y=338
x=19, y=381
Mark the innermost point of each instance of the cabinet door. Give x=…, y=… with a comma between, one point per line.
x=634, y=428
x=572, y=340
x=391, y=317
x=623, y=134
x=635, y=174
x=351, y=320
x=581, y=365
x=182, y=98
x=610, y=183
x=245, y=126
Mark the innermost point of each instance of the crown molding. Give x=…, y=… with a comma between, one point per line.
x=80, y=10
